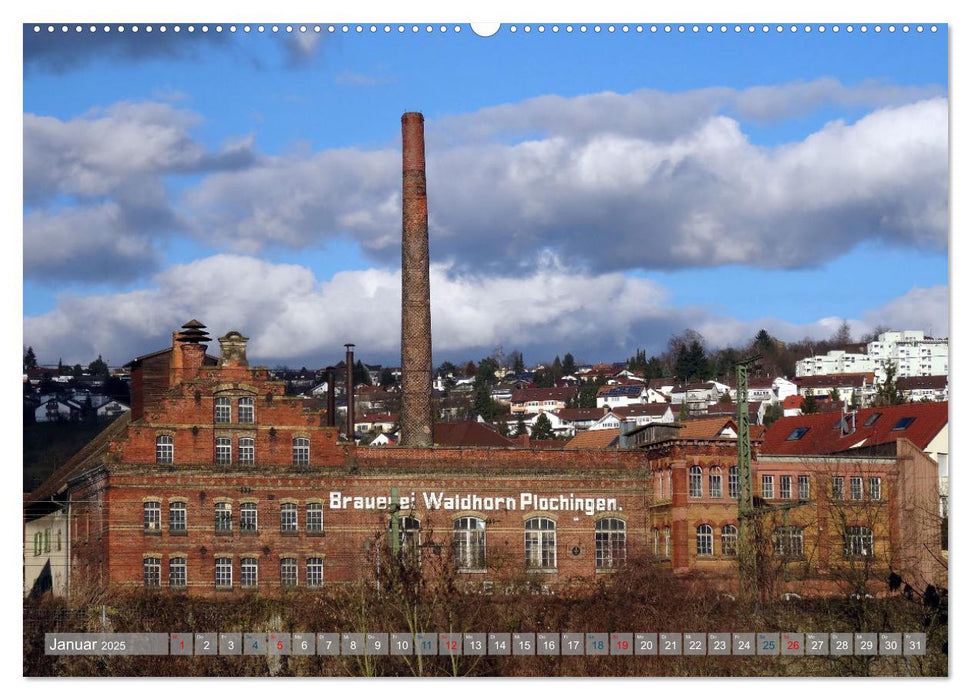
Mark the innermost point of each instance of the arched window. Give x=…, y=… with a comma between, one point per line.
x=288, y=518
x=224, y=450
x=611, y=541
x=704, y=540
x=245, y=410
x=733, y=481
x=694, y=482
x=729, y=541
x=469, y=543
x=248, y=517
x=247, y=451
x=409, y=538
x=787, y=542
x=224, y=407
x=152, y=572
x=248, y=572
x=164, y=449
x=715, y=482
x=288, y=572
x=301, y=452
x=540, y=543
x=857, y=542
x=177, y=578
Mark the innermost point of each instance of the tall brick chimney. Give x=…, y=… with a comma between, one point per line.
x=416, y=316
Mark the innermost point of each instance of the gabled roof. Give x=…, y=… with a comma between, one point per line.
x=828, y=433
x=706, y=428
x=595, y=439
x=790, y=402
x=937, y=382
x=563, y=394
x=621, y=390
x=850, y=379
x=467, y=433
x=730, y=407
x=573, y=414
x=642, y=409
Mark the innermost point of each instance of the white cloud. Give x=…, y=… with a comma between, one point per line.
x=682, y=188
x=292, y=317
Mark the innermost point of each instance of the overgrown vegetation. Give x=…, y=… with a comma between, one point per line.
x=641, y=598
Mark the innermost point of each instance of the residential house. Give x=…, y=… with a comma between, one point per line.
x=535, y=400
x=621, y=395
x=932, y=388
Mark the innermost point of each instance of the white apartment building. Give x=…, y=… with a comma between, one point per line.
x=913, y=354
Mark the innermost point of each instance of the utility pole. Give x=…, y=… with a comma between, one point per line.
x=748, y=513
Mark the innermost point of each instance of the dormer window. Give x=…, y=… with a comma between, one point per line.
x=797, y=433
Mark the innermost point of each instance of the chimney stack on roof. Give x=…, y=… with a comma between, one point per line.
x=416, y=323
x=192, y=339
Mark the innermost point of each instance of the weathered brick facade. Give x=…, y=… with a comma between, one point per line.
x=296, y=502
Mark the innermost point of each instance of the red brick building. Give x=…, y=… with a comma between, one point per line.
x=218, y=482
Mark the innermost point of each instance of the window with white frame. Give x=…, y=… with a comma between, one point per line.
x=611, y=543
x=856, y=488
x=177, y=516
x=540, y=543
x=785, y=486
x=315, y=517
x=729, y=541
x=803, y=485
x=301, y=452
x=704, y=540
x=164, y=449
x=857, y=542
x=177, y=577
x=315, y=572
x=224, y=450
x=838, y=488
x=657, y=542
x=288, y=572
x=875, y=488
x=715, y=482
x=768, y=486
x=694, y=482
x=667, y=542
x=248, y=517
x=245, y=410
x=469, y=543
x=733, y=481
x=248, y=572
x=288, y=517
x=224, y=572
x=224, y=517
x=247, y=451
x=670, y=490
x=409, y=539
x=152, y=516
x=787, y=542
x=152, y=572
x=223, y=409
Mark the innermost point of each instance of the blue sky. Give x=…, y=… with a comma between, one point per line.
x=588, y=192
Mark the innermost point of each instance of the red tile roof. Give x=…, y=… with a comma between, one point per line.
x=595, y=439
x=468, y=433
x=791, y=402
x=823, y=434
x=705, y=428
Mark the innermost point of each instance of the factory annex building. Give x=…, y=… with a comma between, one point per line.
x=217, y=482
